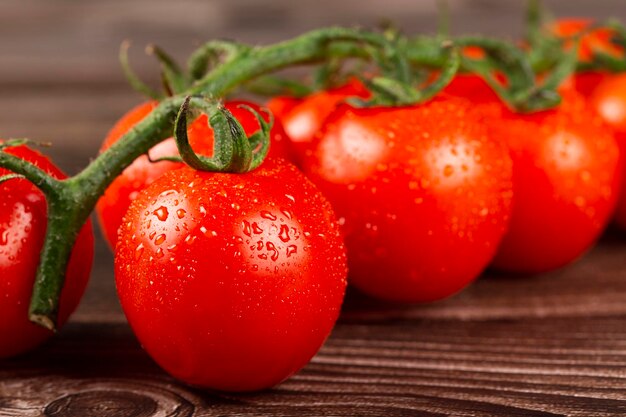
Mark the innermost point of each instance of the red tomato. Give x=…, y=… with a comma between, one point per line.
x=596, y=40
x=609, y=101
x=22, y=231
x=566, y=178
x=231, y=281
x=280, y=106
x=423, y=194
x=116, y=200
x=304, y=119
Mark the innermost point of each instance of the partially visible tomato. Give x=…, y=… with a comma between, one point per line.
x=423, y=193
x=115, y=202
x=22, y=230
x=303, y=119
x=566, y=179
x=231, y=281
x=609, y=101
x=596, y=40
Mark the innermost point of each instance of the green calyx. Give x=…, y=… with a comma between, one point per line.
x=233, y=150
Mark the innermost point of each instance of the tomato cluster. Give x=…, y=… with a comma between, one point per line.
x=233, y=280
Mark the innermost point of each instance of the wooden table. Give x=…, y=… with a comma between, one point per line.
x=546, y=345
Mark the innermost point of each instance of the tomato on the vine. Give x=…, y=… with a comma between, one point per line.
x=566, y=177
x=22, y=229
x=609, y=101
x=596, y=40
x=231, y=281
x=423, y=193
x=115, y=202
x=303, y=118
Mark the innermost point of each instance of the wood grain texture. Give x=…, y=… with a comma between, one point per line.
x=548, y=345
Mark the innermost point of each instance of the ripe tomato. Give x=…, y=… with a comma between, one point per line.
x=609, y=101
x=115, y=202
x=566, y=178
x=231, y=281
x=566, y=175
x=303, y=119
x=22, y=231
x=423, y=193
x=596, y=40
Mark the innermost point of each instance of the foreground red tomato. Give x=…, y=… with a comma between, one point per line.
x=231, y=281
x=115, y=202
x=566, y=178
x=609, y=101
x=302, y=119
x=423, y=193
x=22, y=230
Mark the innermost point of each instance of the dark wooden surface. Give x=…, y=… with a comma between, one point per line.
x=548, y=345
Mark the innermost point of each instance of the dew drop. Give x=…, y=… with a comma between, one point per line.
x=160, y=239
x=247, y=230
x=284, y=233
x=139, y=251
x=161, y=213
x=272, y=248
x=267, y=215
x=291, y=249
x=180, y=213
x=256, y=228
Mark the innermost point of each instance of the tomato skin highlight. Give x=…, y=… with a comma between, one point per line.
x=115, y=202
x=231, y=281
x=609, y=102
x=423, y=193
x=22, y=230
x=303, y=118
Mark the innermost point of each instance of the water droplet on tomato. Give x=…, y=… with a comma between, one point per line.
x=291, y=249
x=247, y=230
x=152, y=235
x=284, y=233
x=4, y=237
x=267, y=215
x=256, y=228
x=160, y=253
x=272, y=248
x=180, y=213
x=290, y=197
x=448, y=170
x=139, y=251
x=161, y=213
x=160, y=239
x=287, y=214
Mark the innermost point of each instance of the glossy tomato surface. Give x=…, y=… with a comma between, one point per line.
x=566, y=177
x=423, y=193
x=22, y=231
x=116, y=200
x=302, y=119
x=231, y=281
x=609, y=101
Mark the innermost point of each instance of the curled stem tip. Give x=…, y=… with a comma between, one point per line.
x=132, y=78
x=233, y=151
